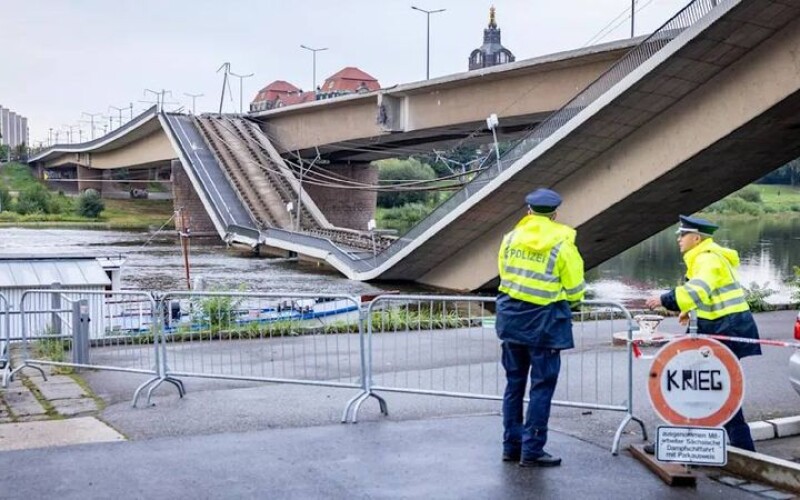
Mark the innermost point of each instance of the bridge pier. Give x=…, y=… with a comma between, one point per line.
x=89, y=178
x=184, y=197
x=347, y=208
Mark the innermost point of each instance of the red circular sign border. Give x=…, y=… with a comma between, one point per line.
x=728, y=359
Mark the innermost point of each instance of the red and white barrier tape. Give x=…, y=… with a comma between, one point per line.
x=637, y=352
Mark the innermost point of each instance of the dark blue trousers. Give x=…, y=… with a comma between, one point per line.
x=528, y=436
x=739, y=432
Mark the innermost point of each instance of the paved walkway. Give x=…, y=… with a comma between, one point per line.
x=183, y=448
x=435, y=458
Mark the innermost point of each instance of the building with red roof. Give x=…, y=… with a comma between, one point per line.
x=350, y=80
x=279, y=93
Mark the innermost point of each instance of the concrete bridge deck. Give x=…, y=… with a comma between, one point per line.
x=702, y=107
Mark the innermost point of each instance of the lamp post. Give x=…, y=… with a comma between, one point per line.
x=313, y=64
x=91, y=121
x=120, y=112
x=633, y=16
x=428, y=50
x=241, y=79
x=159, y=97
x=194, y=98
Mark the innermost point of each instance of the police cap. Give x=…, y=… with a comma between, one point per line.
x=696, y=225
x=543, y=201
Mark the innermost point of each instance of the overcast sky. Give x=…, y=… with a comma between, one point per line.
x=59, y=58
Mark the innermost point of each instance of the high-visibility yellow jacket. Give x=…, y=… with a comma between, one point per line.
x=712, y=287
x=540, y=264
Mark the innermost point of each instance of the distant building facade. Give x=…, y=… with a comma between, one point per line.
x=13, y=128
x=280, y=93
x=492, y=52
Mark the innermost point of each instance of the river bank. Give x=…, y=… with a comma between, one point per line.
x=140, y=215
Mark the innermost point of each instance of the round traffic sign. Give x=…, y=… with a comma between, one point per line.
x=696, y=382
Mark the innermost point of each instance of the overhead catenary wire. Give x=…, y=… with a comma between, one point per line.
x=608, y=28
x=403, y=185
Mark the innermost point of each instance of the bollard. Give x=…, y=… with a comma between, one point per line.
x=80, y=332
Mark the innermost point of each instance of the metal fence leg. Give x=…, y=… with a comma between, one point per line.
x=159, y=344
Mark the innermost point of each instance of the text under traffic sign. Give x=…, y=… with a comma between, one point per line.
x=691, y=445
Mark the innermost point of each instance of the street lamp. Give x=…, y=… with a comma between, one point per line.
x=241, y=78
x=428, y=59
x=194, y=98
x=159, y=97
x=633, y=16
x=120, y=112
x=91, y=122
x=314, y=64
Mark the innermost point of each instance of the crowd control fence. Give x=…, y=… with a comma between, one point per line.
x=5, y=340
x=101, y=330
x=293, y=338
x=447, y=346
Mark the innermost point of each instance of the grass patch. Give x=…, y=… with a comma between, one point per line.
x=53, y=350
x=118, y=214
x=16, y=177
x=50, y=209
x=757, y=199
x=123, y=214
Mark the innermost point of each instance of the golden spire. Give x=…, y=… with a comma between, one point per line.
x=492, y=22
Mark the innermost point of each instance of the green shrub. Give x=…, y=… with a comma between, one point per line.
x=795, y=208
x=403, y=170
x=219, y=312
x=33, y=199
x=749, y=193
x=735, y=205
x=402, y=218
x=61, y=204
x=90, y=204
x=756, y=296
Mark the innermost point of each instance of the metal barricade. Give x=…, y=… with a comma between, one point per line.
x=101, y=330
x=5, y=340
x=288, y=338
x=447, y=346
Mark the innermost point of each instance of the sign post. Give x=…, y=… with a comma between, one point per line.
x=697, y=385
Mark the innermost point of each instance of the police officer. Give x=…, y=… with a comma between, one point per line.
x=714, y=292
x=541, y=273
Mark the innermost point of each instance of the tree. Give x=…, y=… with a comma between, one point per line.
x=90, y=204
x=403, y=170
x=21, y=152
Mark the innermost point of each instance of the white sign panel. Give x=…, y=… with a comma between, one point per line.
x=692, y=445
x=696, y=382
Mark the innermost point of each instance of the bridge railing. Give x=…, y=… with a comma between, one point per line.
x=687, y=17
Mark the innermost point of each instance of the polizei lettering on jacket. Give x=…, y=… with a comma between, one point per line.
x=517, y=253
x=695, y=380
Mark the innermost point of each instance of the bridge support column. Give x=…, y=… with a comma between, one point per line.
x=347, y=208
x=185, y=197
x=90, y=178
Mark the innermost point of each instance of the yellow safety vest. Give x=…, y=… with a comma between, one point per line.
x=539, y=262
x=712, y=288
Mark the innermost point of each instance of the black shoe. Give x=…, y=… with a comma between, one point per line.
x=511, y=456
x=649, y=448
x=546, y=460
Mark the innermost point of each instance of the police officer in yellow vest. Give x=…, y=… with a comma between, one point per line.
x=713, y=291
x=541, y=273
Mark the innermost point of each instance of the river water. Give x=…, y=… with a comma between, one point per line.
x=768, y=249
